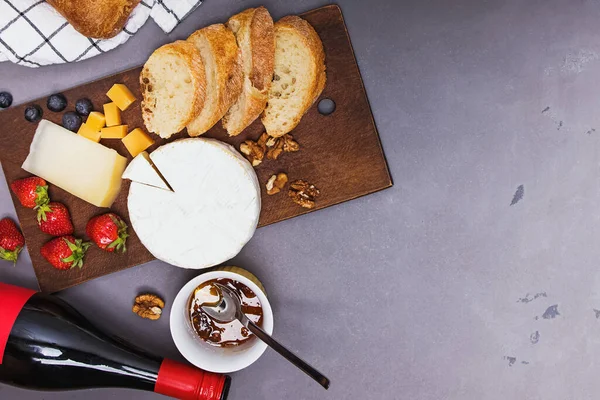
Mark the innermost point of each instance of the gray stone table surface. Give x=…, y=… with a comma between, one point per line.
x=476, y=275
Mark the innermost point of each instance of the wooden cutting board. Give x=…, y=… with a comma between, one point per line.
x=340, y=153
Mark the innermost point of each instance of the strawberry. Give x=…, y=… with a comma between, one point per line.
x=56, y=221
x=65, y=252
x=108, y=231
x=11, y=240
x=32, y=192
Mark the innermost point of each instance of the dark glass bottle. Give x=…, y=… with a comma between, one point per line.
x=45, y=344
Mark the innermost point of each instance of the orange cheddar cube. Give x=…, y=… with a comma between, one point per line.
x=89, y=133
x=114, y=132
x=121, y=96
x=96, y=121
x=137, y=141
x=112, y=114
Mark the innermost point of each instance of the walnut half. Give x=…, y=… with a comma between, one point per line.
x=276, y=183
x=303, y=193
x=277, y=146
x=148, y=306
x=274, y=148
x=253, y=152
x=289, y=144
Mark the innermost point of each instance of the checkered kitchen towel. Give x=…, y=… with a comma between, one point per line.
x=33, y=34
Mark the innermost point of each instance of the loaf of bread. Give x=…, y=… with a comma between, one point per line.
x=253, y=29
x=101, y=19
x=222, y=62
x=173, y=84
x=299, y=76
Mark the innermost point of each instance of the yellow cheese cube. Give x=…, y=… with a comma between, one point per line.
x=96, y=121
x=112, y=114
x=121, y=96
x=114, y=132
x=137, y=141
x=89, y=133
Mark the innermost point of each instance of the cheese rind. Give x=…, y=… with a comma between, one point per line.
x=89, y=133
x=141, y=170
x=83, y=168
x=212, y=212
x=96, y=121
x=121, y=96
x=112, y=114
x=137, y=141
x=114, y=132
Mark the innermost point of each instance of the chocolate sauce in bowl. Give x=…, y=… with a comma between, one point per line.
x=230, y=334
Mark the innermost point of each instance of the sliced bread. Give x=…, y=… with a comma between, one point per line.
x=299, y=76
x=221, y=57
x=173, y=84
x=253, y=29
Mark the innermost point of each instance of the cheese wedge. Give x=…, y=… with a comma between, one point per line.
x=141, y=170
x=212, y=212
x=83, y=168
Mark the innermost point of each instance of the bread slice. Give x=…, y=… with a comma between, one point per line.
x=99, y=19
x=173, y=84
x=221, y=58
x=253, y=29
x=299, y=75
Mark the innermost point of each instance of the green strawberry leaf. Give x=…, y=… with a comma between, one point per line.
x=42, y=197
x=78, y=250
x=119, y=244
x=41, y=212
x=9, y=255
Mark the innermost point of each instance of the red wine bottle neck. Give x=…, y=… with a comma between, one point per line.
x=187, y=383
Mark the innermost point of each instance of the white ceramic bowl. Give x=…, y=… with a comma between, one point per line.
x=203, y=355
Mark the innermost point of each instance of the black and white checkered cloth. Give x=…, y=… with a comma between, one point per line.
x=33, y=34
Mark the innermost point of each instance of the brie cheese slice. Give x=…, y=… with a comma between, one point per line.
x=141, y=170
x=212, y=212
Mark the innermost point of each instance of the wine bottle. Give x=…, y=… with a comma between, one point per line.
x=45, y=344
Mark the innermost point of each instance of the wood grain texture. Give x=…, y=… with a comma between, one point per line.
x=340, y=153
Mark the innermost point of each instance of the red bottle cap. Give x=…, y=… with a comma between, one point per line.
x=188, y=383
x=13, y=300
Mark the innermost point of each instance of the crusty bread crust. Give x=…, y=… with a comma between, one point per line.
x=262, y=40
x=312, y=40
x=191, y=57
x=101, y=19
x=255, y=34
x=225, y=84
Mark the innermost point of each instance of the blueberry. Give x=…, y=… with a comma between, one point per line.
x=84, y=107
x=5, y=99
x=57, y=102
x=71, y=121
x=33, y=113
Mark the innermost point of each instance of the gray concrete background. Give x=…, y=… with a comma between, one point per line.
x=426, y=290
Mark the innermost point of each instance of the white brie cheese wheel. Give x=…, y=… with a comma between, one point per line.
x=212, y=212
x=140, y=170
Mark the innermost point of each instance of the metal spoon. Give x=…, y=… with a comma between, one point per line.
x=230, y=309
